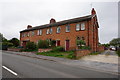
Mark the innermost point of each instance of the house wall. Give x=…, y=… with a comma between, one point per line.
x=90, y=34
x=62, y=36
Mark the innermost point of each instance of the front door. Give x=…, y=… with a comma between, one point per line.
x=58, y=43
x=24, y=44
x=67, y=45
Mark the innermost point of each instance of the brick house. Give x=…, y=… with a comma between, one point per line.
x=65, y=32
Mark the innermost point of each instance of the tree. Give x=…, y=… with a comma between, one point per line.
x=15, y=42
x=115, y=42
x=2, y=39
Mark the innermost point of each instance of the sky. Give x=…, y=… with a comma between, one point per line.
x=15, y=15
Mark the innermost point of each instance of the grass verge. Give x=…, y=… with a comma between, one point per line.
x=63, y=54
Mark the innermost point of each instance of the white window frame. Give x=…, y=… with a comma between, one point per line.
x=50, y=31
x=39, y=32
x=67, y=28
x=47, y=31
x=32, y=33
x=28, y=34
x=58, y=29
x=82, y=26
x=78, y=27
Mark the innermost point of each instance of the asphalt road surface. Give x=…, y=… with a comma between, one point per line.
x=16, y=66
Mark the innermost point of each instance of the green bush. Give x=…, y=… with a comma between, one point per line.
x=53, y=43
x=6, y=45
x=80, y=42
x=31, y=46
x=59, y=48
x=43, y=44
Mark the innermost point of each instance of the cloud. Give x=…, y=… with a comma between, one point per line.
x=17, y=15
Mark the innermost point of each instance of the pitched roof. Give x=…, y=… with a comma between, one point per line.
x=74, y=20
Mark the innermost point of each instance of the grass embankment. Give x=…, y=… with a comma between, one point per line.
x=62, y=54
x=95, y=53
x=118, y=53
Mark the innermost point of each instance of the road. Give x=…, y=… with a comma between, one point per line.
x=26, y=67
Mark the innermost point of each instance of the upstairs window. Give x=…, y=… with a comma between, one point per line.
x=77, y=27
x=68, y=28
x=28, y=34
x=39, y=32
x=47, y=32
x=58, y=29
x=22, y=34
x=82, y=26
x=32, y=33
x=50, y=31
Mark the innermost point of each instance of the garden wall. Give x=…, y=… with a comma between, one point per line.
x=14, y=49
x=79, y=53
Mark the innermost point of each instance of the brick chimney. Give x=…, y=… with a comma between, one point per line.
x=29, y=26
x=93, y=11
x=52, y=21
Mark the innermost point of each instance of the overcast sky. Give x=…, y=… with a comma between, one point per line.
x=15, y=15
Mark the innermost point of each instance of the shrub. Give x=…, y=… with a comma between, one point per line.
x=80, y=42
x=5, y=45
x=59, y=48
x=43, y=44
x=31, y=46
x=53, y=42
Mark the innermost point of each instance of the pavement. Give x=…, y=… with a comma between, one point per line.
x=103, y=63
x=16, y=66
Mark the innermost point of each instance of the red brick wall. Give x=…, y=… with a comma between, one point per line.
x=62, y=36
x=90, y=34
x=14, y=49
x=80, y=53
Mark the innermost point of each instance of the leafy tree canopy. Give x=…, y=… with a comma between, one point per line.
x=115, y=42
x=2, y=39
x=15, y=41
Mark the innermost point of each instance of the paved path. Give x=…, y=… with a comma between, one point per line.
x=27, y=67
x=101, y=63
x=109, y=52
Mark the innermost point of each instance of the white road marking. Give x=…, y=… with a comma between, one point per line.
x=10, y=70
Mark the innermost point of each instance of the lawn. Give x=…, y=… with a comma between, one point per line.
x=62, y=54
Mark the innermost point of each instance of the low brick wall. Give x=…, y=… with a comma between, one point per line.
x=14, y=49
x=101, y=48
x=80, y=53
x=44, y=50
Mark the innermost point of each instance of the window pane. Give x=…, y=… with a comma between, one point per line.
x=68, y=28
x=83, y=26
x=50, y=31
x=77, y=27
x=47, y=31
x=58, y=29
x=40, y=31
x=32, y=33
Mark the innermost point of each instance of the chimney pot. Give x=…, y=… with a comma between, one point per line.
x=52, y=21
x=29, y=26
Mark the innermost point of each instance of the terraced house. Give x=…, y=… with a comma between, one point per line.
x=65, y=32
